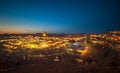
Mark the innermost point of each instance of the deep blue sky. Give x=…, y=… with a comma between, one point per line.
x=59, y=16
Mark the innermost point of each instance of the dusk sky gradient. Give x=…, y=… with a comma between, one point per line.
x=59, y=16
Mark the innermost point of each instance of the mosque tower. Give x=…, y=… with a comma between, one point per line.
x=44, y=34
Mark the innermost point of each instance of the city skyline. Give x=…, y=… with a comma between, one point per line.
x=61, y=16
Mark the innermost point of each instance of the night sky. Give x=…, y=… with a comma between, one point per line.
x=59, y=16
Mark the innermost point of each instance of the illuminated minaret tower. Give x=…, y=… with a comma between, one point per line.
x=44, y=34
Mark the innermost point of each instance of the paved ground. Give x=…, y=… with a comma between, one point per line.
x=62, y=68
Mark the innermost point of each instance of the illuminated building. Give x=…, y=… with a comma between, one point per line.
x=44, y=34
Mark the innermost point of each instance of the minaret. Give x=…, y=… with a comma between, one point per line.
x=44, y=34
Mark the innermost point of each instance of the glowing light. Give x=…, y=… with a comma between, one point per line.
x=44, y=34
x=84, y=51
x=18, y=43
x=44, y=45
x=31, y=46
x=7, y=46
